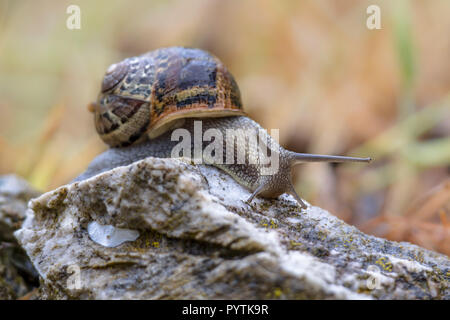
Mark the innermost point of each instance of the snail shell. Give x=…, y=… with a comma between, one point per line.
x=149, y=94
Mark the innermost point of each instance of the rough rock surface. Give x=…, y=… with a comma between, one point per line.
x=17, y=274
x=199, y=239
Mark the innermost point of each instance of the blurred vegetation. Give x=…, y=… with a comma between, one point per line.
x=310, y=68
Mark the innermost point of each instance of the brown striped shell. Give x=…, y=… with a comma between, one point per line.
x=148, y=94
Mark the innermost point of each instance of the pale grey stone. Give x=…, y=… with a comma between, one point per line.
x=17, y=275
x=199, y=240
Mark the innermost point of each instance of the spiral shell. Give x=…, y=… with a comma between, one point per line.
x=145, y=95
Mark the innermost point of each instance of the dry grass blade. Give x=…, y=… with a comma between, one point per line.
x=434, y=204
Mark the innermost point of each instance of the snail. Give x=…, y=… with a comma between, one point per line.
x=145, y=99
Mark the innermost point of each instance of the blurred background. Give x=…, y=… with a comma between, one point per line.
x=310, y=68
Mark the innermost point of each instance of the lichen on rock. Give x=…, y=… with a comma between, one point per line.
x=198, y=239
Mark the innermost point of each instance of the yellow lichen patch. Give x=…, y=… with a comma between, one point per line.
x=269, y=225
x=419, y=257
x=273, y=225
x=322, y=235
x=347, y=242
x=277, y=293
x=384, y=263
x=295, y=245
x=439, y=271
x=147, y=241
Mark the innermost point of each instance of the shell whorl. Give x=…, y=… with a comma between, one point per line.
x=144, y=95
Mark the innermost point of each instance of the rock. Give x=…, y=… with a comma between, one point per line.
x=17, y=275
x=197, y=239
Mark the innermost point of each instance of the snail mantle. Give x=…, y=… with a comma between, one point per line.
x=166, y=229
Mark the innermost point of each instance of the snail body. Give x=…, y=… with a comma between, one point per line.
x=145, y=99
